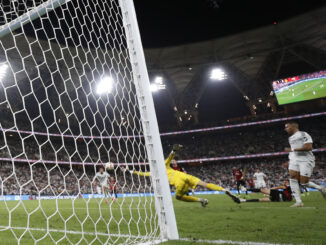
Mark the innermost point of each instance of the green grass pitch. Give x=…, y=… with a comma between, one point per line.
x=303, y=91
x=221, y=219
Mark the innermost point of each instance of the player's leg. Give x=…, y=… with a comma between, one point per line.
x=105, y=192
x=294, y=171
x=265, y=191
x=217, y=188
x=180, y=194
x=210, y=186
x=243, y=186
x=238, y=187
x=306, y=169
x=264, y=199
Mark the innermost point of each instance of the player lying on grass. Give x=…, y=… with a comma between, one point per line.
x=182, y=182
x=276, y=194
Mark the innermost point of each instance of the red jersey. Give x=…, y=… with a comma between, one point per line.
x=251, y=183
x=237, y=174
x=177, y=168
x=287, y=194
x=113, y=186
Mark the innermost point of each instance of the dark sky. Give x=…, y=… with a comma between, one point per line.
x=172, y=22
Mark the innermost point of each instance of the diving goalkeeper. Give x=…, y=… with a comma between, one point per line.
x=182, y=182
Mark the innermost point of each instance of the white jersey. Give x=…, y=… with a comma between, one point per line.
x=259, y=177
x=102, y=177
x=296, y=141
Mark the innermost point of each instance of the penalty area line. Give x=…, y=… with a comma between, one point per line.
x=229, y=242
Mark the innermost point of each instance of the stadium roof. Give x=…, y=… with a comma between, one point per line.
x=252, y=59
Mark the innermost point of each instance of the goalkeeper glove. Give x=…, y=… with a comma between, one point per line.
x=176, y=147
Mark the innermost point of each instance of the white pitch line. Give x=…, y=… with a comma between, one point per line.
x=143, y=237
x=229, y=242
x=304, y=208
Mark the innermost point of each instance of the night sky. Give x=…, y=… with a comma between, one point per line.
x=173, y=22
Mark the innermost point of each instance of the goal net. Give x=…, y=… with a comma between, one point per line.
x=74, y=96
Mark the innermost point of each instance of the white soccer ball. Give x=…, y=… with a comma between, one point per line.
x=109, y=166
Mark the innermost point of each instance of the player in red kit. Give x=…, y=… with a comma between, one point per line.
x=276, y=194
x=251, y=183
x=113, y=189
x=237, y=173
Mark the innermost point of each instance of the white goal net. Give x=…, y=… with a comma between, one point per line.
x=70, y=103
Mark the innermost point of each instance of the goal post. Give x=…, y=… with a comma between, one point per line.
x=163, y=198
x=75, y=98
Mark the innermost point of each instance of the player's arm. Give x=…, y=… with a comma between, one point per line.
x=306, y=147
x=278, y=187
x=172, y=154
x=94, y=179
x=147, y=174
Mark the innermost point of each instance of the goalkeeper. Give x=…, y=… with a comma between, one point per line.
x=182, y=182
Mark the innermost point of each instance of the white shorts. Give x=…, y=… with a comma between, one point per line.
x=260, y=184
x=105, y=186
x=305, y=168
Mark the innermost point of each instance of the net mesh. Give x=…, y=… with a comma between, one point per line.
x=68, y=105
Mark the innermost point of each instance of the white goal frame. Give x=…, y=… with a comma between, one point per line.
x=163, y=199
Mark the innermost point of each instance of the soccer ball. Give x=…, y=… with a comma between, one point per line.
x=109, y=166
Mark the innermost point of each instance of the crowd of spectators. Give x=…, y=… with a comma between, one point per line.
x=39, y=179
x=243, y=141
x=35, y=176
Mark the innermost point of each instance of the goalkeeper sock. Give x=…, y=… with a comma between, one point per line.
x=252, y=200
x=214, y=187
x=190, y=199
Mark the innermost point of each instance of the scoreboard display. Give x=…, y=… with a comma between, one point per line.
x=300, y=88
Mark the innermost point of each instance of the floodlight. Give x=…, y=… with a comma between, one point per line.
x=157, y=84
x=153, y=87
x=218, y=74
x=105, y=85
x=158, y=80
x=3, y=69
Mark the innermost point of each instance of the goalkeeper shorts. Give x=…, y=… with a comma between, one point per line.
x=182, y=183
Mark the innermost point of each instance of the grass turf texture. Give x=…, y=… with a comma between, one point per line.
x=221, y=219
x=303, y=91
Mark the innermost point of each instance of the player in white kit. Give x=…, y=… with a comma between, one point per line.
x=301, y=161
x=103, y=178
x=259, y=179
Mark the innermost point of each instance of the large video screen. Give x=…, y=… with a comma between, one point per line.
x=300, y=88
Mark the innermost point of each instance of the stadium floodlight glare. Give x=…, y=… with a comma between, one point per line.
x=218, y=74
x=158, y=80
x=157, y=84
x=3, y=69
x=154, y=87
x=105, y=85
